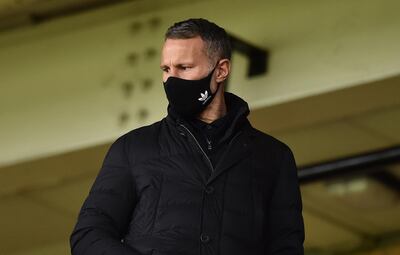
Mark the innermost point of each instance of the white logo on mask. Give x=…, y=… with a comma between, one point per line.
x=204, y=96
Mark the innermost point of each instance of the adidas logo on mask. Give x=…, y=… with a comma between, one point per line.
x=204, y=97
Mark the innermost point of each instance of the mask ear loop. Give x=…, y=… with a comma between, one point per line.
x=218, y=83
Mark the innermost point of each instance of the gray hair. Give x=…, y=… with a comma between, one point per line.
x=218, y=45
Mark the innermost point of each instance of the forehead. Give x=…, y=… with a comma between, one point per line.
x=175, y=49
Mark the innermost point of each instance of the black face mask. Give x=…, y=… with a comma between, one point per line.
x=189, y=97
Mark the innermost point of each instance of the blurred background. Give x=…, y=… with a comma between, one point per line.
x=322, y=76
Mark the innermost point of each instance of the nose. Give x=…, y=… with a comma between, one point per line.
x=172, y=72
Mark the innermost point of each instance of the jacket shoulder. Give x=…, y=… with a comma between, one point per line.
x=143, y=133
x=273, y=151
x=267, y=140
x=142, y=142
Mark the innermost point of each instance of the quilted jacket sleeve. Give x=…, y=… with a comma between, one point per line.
x=285, y=224
x=105, y=214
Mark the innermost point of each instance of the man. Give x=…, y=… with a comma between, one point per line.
x=200, y=181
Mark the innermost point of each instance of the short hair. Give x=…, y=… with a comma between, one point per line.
x=216, y=39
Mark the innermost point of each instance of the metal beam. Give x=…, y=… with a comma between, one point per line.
x=258, y=57
x=388, y=179
x=368, y=162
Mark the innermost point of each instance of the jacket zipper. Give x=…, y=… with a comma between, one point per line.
x=209, y=146
x=208, y=159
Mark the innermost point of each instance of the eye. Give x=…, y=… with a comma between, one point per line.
x=165, y=69
x=185, y=67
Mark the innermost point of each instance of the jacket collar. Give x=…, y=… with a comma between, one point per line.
x=237, y=112
x=239, y=131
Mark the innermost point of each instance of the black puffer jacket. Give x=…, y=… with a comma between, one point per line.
x=154, y=195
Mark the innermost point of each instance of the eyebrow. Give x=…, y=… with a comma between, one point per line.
x=180, y=64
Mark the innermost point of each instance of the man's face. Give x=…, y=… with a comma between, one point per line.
x=184, y=58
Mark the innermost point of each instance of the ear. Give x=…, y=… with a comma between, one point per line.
x=223, y=70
